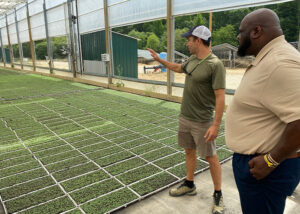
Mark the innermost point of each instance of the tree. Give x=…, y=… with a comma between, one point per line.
x=153, y=42
x=180, y=42
x=142, y=36
x=199, y=19
x=225, y=34
x=41, y=50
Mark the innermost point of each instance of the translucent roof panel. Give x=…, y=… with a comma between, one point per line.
x=196, y=6
x=136, y=11
x=8, y=5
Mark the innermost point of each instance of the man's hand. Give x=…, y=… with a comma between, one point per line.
x=153, y=54
x=211, y=133
x=259, y=168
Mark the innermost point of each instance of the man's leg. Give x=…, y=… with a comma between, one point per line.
x=190, y=162
x=269, y=194
x=215, y=171
x=216, y=174
x=188, y=187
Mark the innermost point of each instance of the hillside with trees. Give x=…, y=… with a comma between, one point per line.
x=224, y=29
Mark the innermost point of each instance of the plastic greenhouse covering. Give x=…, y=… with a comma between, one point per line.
x=91, y=14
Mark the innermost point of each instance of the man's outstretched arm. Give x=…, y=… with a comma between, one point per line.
x=170, y=65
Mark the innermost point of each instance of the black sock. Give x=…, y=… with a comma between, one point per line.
x=218, y=193
x=190, y=184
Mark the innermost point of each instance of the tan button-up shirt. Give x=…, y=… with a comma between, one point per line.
x=267, y=99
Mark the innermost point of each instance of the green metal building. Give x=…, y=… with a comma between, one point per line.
x=7, y=55
x=124, y=53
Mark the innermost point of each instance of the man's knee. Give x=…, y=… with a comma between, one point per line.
x=190, y=152
x=212, y=159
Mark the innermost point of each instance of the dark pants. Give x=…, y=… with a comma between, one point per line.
x=268, y=195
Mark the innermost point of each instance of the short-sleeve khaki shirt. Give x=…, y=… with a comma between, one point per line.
x=267, y=99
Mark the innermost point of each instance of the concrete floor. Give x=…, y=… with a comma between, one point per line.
x=162, y=203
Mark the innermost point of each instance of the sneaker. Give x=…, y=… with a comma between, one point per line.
x=183, y=189
x=218, y=206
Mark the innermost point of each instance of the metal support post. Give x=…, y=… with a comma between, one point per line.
x=49, y=47
x=3, y=51
x=170, y=43
x=9, y=44
x=18, y=37
x=71, y=32
x=30, y=38
x=108, y=42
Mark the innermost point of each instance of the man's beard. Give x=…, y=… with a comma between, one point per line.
x=242, y=49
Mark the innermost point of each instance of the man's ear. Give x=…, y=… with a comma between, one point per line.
x=256, y=32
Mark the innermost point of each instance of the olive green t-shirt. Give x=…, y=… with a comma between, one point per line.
x=198, y=101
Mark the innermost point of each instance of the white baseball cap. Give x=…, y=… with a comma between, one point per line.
x=199, y=31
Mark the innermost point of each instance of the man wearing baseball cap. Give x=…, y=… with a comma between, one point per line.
x=204, y=92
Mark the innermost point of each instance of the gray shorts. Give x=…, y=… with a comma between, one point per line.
x=191, y=136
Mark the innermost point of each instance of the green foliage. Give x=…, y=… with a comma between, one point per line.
x=95, y=190
x=23, y=177
x=137, y=174
x=74, y=171
x=153, y=42
x=57, y=206
x=57, y=43
x=25, y=188
x=84, y=180
x=151, y=184
x=199, y=19
x=225, y=34
x=41, y=50
x=180, y=42
x=142, y=36
x=109, y=202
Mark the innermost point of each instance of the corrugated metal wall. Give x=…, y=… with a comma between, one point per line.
x=6, y=50
x=124, y=51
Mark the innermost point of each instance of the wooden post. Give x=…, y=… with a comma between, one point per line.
x=18, y=37
x=170, y=43
x=49, y=47
x=11, y=54
x=108, y=42
x=30, y=38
